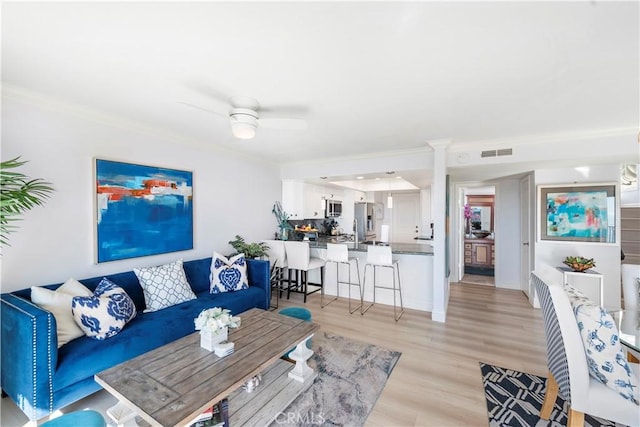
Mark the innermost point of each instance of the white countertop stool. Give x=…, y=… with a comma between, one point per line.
x=278, y=260
x=300, y=261
x=338, y=254
x=381, y=257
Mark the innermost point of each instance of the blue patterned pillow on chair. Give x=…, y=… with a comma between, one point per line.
x=605, y=357
x=228, y=275
x=105, y=313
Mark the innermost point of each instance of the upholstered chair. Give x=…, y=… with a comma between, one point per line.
x=568, y=370
x=300, y=262
x=630, y=285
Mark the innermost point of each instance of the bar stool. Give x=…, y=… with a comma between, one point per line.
x=339, y=254
x=299, y=259
x=278, y=258
x=380, y=256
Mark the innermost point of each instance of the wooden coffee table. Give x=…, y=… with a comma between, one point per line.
x=173, y=384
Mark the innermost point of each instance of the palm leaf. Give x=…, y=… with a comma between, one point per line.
x=18, y=194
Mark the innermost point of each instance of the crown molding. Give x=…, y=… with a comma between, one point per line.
x=537, y=139
x=368, y=156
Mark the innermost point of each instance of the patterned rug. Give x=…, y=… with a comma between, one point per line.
x=515, y=398
x=351, y=376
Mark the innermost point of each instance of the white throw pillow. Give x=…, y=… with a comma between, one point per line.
x=164, y=285
x=103, y=314
x=576, y=297
x=58, y=302
x=228, y=275
x=605, y=358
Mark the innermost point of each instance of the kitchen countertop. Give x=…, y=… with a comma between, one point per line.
x=396, y=248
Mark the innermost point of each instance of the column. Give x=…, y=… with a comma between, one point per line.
x=440, y=228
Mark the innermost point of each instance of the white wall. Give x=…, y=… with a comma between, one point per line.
x=56, y=241
x=549, y=254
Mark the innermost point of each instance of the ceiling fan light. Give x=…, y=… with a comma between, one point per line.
x=243, y=130
x=243, y=126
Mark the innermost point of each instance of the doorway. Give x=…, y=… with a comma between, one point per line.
x=405, y=225
x=478, y=237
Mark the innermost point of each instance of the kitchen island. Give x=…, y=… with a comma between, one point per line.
x=416, y=273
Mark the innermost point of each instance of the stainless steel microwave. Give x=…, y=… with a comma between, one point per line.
x=334, y=209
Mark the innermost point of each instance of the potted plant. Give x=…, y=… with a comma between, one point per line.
x=250, y=250
x=18, y=194
x=283, y=220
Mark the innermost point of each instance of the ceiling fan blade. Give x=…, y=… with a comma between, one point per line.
x=283, y=123
x=207, y=110
x=285, y=110
x=209, y=91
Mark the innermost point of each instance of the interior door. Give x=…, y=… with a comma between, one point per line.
x=525, y=237
x=406, y=218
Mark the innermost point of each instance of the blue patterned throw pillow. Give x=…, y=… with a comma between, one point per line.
x=228, y=275
x=105, y=313
x=605, y=357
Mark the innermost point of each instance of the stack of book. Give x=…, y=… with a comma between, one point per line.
x=215, y=416
x=223, y=349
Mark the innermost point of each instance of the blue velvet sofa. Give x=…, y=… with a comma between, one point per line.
x=40, y=378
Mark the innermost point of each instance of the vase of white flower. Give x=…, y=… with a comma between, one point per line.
x=213, y=324
x=209, y=339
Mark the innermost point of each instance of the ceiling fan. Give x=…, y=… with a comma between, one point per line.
x=246, y=114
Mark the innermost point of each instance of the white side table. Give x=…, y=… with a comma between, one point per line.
x=594, y=290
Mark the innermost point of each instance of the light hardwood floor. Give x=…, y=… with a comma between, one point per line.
x=437, y=380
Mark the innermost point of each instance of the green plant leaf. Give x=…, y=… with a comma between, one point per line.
x=18, y=194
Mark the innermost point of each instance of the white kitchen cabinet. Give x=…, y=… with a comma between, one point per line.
x=359, y=196
x=313, y=201
x=293, y=198
x=333, y=193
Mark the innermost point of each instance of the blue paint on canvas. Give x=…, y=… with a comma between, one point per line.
x=577, y=214
x=142, y=210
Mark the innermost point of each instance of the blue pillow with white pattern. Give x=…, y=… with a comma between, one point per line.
x=228, y=275
x=105, y=313
x=605, y=357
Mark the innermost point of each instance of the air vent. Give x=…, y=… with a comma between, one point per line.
x=494, y=153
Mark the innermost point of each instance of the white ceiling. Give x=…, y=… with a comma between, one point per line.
x=368, y=77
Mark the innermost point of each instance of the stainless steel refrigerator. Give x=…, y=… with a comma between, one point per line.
x=364, y=222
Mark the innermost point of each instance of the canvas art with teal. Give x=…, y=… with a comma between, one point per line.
x=577, y=214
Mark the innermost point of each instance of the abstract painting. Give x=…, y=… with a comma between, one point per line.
x=142, y=210
x=578, y=213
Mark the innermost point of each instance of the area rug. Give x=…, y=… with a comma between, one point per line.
x=515, y=398
x=351, y=376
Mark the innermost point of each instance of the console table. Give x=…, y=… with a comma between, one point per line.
x=595, y=291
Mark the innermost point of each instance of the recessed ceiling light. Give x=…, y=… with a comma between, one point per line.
x=378, y=179
x=359, y=177
x=398, y=177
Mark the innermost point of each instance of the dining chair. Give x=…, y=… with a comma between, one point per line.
x=278, y=259
x=630, y=285
x=568, y=369
x=338, y=254
x=300, y=261
x=381, y=257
